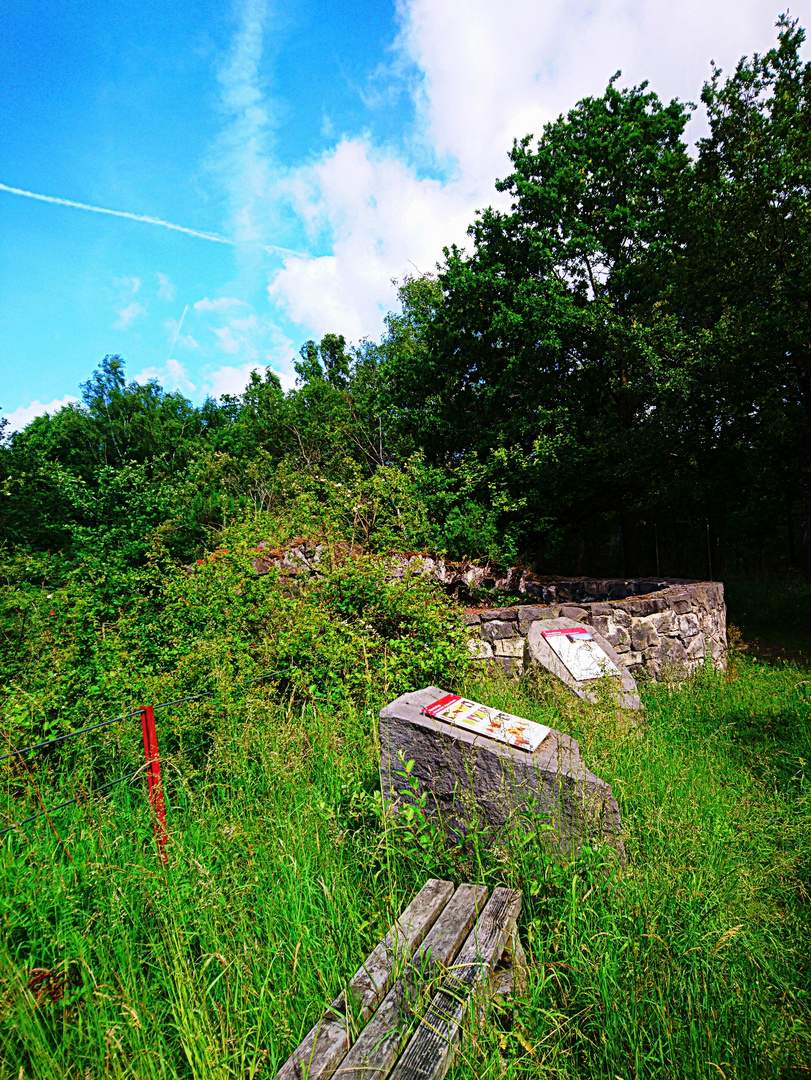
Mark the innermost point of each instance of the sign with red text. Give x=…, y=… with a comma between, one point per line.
x=580, y=654
x=484, y=720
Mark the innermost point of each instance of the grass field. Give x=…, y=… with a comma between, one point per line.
x=694, y=962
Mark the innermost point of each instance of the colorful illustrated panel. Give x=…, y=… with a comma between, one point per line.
x=504, y=727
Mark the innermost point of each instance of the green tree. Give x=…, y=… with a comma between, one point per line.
x=102, y=473
x=334, y=412
x=548, y=343
x=746, y=290
x=141, y=422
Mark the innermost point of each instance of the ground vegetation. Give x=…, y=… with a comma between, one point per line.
x=613, y=378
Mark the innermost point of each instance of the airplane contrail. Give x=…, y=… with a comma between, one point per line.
x=272, y=248
x=178, y=328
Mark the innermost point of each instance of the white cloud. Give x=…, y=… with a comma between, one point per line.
x=128, y=309
x=242, y=155
x=384, y=221
x=127, y=286
x=252, y=338
x=173, y=328
x=166, y=288
x=186, y=341
x=229, y=380
x=255, y=343
x=238, y=335
x=19, y=418
x=233, y=380
x=486, y=73
x=128, y=314
x=220, y=303
x=256, y=339
x=172, y=376
x=226, y=340
x=493, y=72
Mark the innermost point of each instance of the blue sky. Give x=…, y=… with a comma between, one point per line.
x=331, y=146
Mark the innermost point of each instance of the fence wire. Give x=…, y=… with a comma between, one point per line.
x=70, y=735
x=69, y=802
x=107, y=723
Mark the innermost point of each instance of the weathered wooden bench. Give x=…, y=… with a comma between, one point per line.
x=403, y=1012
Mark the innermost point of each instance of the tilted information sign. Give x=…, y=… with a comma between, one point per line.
x=505, y=727
x=580, y=653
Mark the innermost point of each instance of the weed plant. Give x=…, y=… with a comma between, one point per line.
x=284, y=873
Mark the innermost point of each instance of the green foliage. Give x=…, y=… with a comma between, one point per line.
x=103, y=472
x=284, y=874
x=633, y=331
x=91, y=641
x=624, y=348
x=627, y=344
x=557, y=304
x=746, y=285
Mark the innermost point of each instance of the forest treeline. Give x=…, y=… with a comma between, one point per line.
x=614, y=375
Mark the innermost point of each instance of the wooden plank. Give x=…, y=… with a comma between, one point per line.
x=511, y=976
x=375, y=1052
x=323, y=1048
x=429, y=1053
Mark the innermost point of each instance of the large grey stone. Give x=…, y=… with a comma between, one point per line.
x=665, y=622
x=509, y=647
x=697, y=647
x=673, y=657
x=616, y=636
x=492, y=631
x=508, y=614
x=643, y=636
x=474, y=782
x=570, y=612
x=688, y=625
x=640, y=608
x=539, y=651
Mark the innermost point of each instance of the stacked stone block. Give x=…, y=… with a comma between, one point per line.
x=658, y=627
x=664, y=633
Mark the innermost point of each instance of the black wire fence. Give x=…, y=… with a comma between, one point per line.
x=69, y=802
x=150, y=746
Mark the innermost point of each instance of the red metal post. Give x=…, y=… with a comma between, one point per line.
x=153, y=777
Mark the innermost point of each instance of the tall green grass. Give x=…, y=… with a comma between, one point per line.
x=693, y=962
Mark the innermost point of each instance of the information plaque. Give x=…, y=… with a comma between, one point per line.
x=580, y=653
x=505, y=727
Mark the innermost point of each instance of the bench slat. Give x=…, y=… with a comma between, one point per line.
x=321, y=1051
x=377, y=1047
x=428, y=1054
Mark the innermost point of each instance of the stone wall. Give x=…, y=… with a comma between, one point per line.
x=658, y=627
x=668, y=631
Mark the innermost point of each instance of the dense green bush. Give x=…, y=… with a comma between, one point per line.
x=84, y=641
